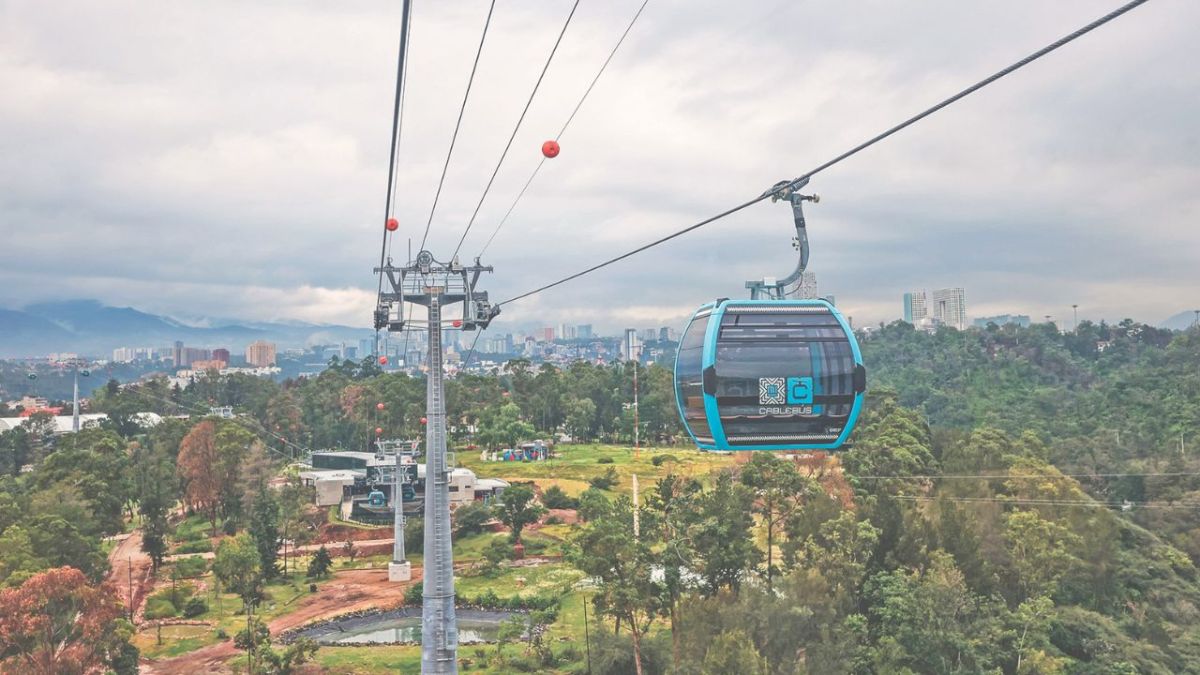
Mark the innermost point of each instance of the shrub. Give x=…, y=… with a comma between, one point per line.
x=554, y=520
x=221, y=634
x=604, y=460
x=312, y=588
x=414, y=594
x=199, y=546
x=555, y=498
x=229, y=527
x=191, y=567
x=159, y=607
x=194, y=608
x=659, y=460
x=605, y=481
x=471, y=519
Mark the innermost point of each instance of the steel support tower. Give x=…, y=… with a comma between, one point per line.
x=435, y=285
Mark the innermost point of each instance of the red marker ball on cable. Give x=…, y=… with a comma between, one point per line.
x=378, y=431
x=550, y=149
x=379, y=406
x=383, y=360
x=392, y=225
x=424, y=421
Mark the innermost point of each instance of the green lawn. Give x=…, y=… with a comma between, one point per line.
x=578, y=463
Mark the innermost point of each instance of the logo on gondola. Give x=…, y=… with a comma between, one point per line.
x=785, y=391
x=771, y=391
x=799, y=390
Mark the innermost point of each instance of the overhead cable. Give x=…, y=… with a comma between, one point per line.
x=783, y=186
x=400, y=69
x=462, y=109
x=562, y=131
x=507, y=146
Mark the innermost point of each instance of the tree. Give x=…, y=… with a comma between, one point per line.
x=199, y=468
x=624, y=569
x=593, y=504
x=471, y=519
x=503, y=426
x=18, y=560
x=238, y=566
x=779, y=491
x=517, y=509
x=1040, y=551
x=56, y=623
x=318, y=567
x=722, y=535
x=264, y=528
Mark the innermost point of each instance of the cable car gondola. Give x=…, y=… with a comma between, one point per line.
x=770, y=373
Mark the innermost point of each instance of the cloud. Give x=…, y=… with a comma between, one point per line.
x=230, y=158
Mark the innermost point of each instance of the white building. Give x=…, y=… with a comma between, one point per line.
x=950, y=307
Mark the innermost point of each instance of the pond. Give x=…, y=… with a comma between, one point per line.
x=403, y=625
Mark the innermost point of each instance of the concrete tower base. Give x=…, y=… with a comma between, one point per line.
x=400, y=571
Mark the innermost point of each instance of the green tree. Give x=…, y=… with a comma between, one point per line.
x=779, y=491
x=624, y=569
x=238, y=566
x=471, y=519
x=318, y=567
x=517, y=509
x=264, y=528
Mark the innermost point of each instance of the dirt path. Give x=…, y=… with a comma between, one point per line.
x=349, y=591
x=127, y=560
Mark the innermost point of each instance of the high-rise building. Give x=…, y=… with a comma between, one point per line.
x=260, y=354
x=220, y=354
x=631, y=346
x=548, y=334
x=584, y=331
x=178, y=354
x=914, y=307
x=950, y=307
x=808, y=286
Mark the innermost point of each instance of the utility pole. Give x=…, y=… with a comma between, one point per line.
x=399, y=569
x=637, y=446
x=1075, y=322
x=130, y=589
x=636, y=524
x=434, y=284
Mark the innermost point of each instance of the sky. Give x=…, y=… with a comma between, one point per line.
x=229, y=159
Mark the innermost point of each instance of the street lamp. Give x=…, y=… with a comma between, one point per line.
x=1075, y=322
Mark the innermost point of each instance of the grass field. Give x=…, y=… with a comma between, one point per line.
x=576, y=464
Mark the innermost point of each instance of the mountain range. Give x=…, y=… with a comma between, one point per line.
x=88, y=327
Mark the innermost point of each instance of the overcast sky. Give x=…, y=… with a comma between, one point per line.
x=229, y=159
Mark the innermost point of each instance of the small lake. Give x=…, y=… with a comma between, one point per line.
x=403, y=625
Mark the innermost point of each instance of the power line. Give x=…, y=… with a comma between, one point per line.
x=516, y=128
x=1170, y=474
x=1017, y=501
x=782, y=186
x=462, y=109
x=562, y=131
x=135, y=387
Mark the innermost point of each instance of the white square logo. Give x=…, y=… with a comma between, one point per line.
x=771, y=391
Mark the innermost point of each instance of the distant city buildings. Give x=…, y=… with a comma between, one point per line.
x=914, y=307
x=260, y=354
x=943, y=307
x=131, y=354
x=221, y=354
x=1003, y=319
